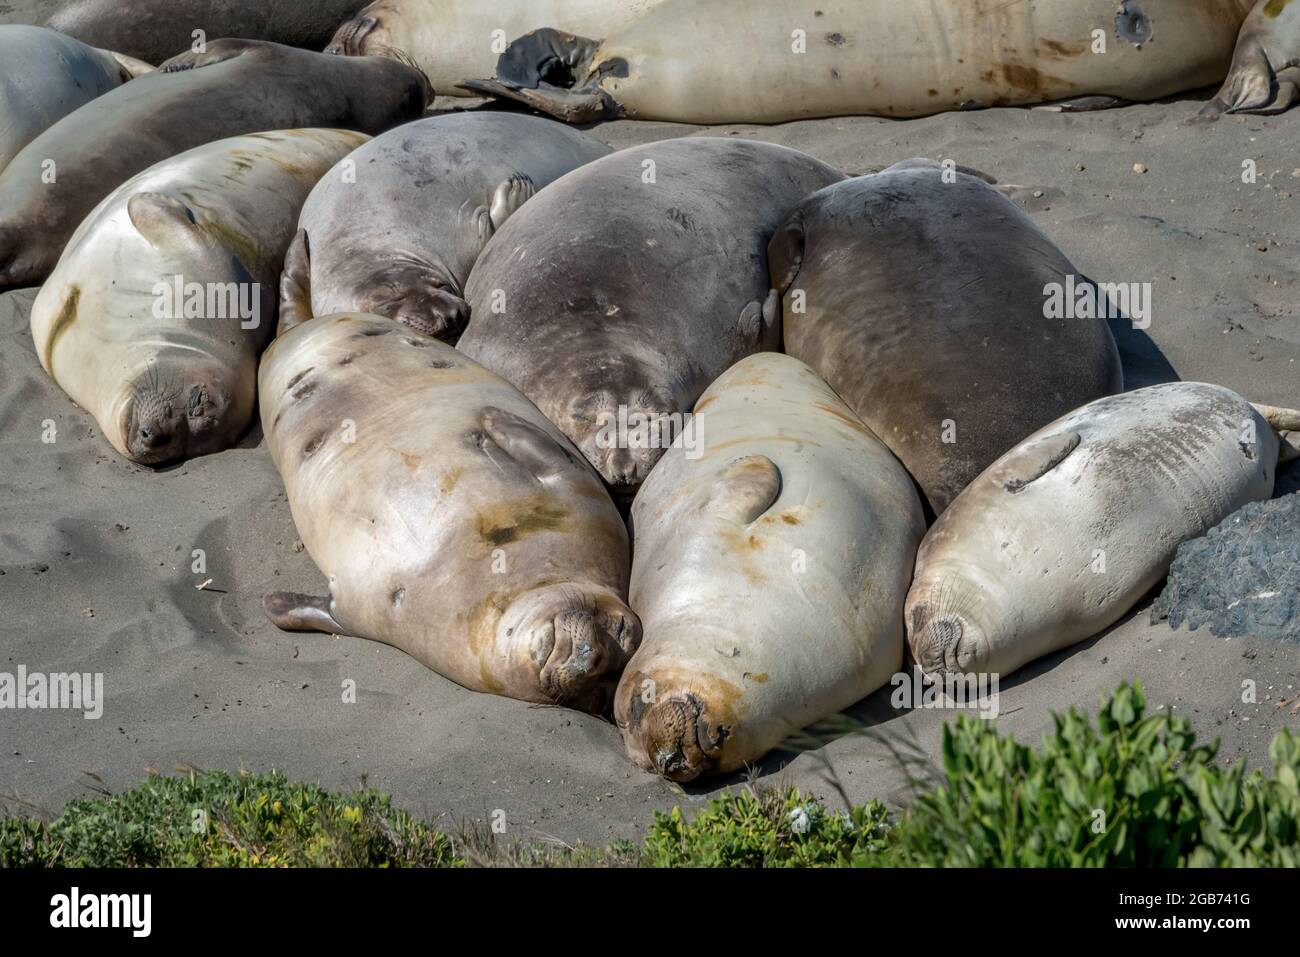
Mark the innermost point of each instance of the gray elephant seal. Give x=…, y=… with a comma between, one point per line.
x=626, y=287
x=156, y=313
x=769, y=573
x=399, y=237
x=1265, y=72
x=194, y=99
x=918, y=294
x=452, y=520
x=733, y=61
x=44, y=76
x=1061, y=536
x=154, y=30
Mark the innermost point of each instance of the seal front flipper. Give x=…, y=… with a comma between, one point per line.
x=509, y=196
x=759, y=323
x=1033, y=460
x=509, y=440
x=163, y=220
x=290, y=611
x=217, y=51
x=295, y=284
x=550, y=71
x=745, y=489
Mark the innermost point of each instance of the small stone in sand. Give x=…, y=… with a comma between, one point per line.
x=1139, y=167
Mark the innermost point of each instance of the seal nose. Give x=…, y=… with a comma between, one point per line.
x=675, y=738
x=943, y=644
x=588, y=652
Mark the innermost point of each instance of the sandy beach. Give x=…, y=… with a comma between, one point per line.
x=96, y=554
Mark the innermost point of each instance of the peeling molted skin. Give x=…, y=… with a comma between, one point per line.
x=44, y=76
x=903, y=275
x=154, y=30
x=1007, y=574
x=400, y=238
x=731, y=61
x=459, y=526
x=740, y=649
x=452, y=40
x=168, y=388
x=1265, y=72
x=191, y=100
x=620, y=292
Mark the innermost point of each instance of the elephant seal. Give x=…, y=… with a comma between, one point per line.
x=44, y=76
x=399, y=239
x=918, y=294
x=154, y=317
x=454, y=41
x=732, y=61
x=50, y=187
x=769, y=573
x=154, y=30
x=1063, y=535
x=1265, y=72
x=452, y=520
x=626, y=287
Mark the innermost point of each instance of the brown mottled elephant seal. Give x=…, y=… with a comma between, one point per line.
x=731, y=61
x=154, y=30
x=44, y=76
x=156, y=313
x=918, y=294
x=1062, y=535
x=769, y=573
x=1265, y=72
x=625, y=288
x=399, y=237
x=452, y=40
x=451, y=518
x=56, y=180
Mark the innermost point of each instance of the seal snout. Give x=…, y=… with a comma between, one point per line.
x=944, y=643
x=674, y=736
x=582, y=650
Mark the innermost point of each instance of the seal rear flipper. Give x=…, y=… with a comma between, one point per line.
x=508, y=439
x=567, y=105
x=290, y=611
x=350, y=36
x=744, y=490
x=295, y=284
x=1255, y=84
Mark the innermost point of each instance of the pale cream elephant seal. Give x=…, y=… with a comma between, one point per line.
x=399, y=237
x=455, y=40
x=156, y=313
x=734, y=61
x=1063, y=535
x=769, y=571
x=919, y=295
x=44, y=76
x=452, y=520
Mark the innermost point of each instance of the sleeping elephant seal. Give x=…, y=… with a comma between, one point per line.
x=1063, y=535
x=918, y=294
x=452, y=520
x=44, y=76
x=165, y=296
x=154, y=30
x=625, y=288
x=733, y=61
x=452, y=40
x=1265, y=72
x=399, y=239
x=769, y=573
x=51, y=186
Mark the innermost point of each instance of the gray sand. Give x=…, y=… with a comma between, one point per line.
x=200, y=678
